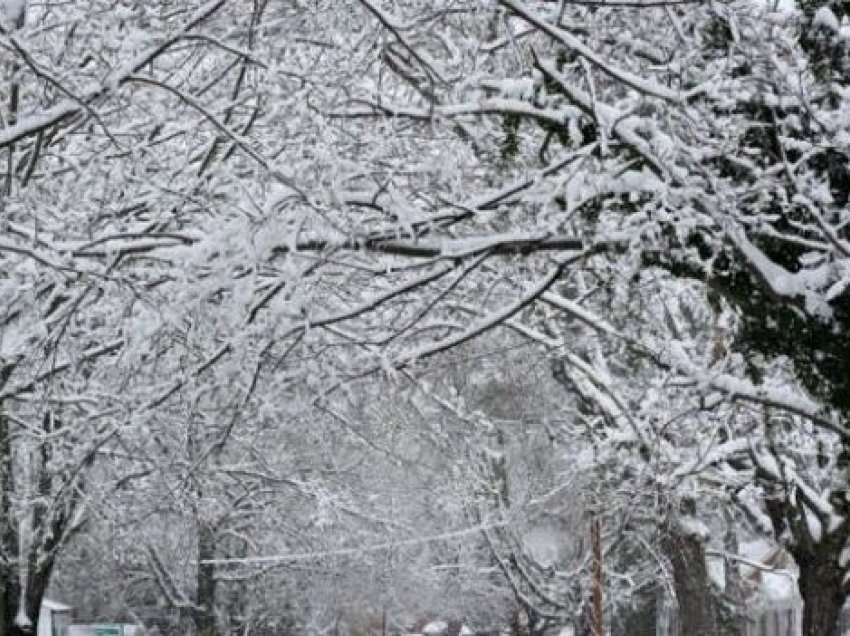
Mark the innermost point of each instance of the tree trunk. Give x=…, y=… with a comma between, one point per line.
x=13, y=630
x=694, y=592
x=38, y=577
x=49, y=527
x=10, y=573
x=205, y=619
x=820, y=587
x=9, y=600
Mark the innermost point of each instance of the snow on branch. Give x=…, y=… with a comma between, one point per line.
x=37, y=122
x=640, y=84
x=497, y=244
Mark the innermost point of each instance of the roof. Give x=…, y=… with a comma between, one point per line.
x=55, y=606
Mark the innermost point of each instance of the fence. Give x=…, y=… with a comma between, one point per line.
x=775, y=620
x=778, y=619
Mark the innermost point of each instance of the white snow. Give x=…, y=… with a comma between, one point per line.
x=521, y=88
x=21, y=619
x=778, y=6
x=12, y=10
x=13, y=341
x=778, y=587
x=48, y=621
x=693, y=527
x=583, y=459
x=436, y=627
x=837, y=288
x=768, y=464
x=814, y=525
x=635, y=181
x=55, y=606
x=826, y=18
x=544, y=545
x=716, y=568
x=641, y=84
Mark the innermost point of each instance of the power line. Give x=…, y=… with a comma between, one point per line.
x=344, y=552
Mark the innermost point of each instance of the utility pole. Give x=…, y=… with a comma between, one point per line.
x=597, y=620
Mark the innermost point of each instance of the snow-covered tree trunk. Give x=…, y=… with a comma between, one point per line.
x=821, y=589
x=10, y=582
x=28, y=564
x=19, y=605
x=12, y=15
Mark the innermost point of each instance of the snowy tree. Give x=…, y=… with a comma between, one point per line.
x=211, y=225
x=116, y=116
x=707, y=143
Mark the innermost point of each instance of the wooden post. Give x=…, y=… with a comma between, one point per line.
x=597, y=619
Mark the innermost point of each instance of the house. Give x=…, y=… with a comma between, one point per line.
x=770, y=598
x=53, y=618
